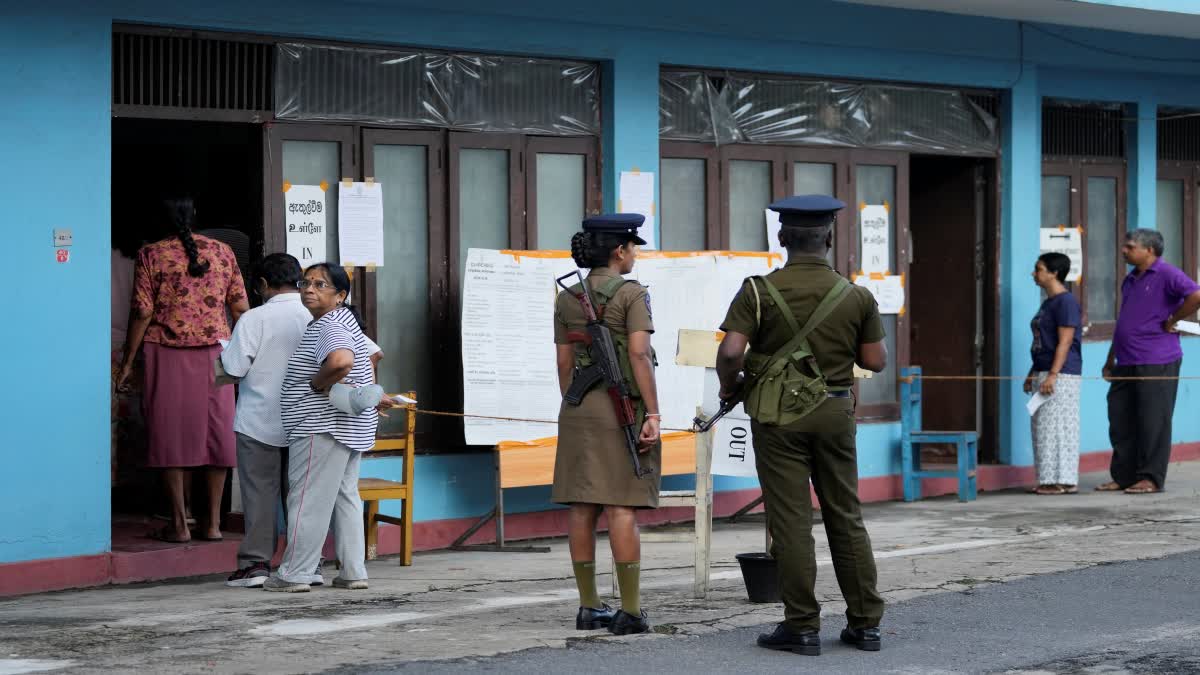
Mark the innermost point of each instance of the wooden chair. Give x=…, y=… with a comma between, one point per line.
x=912, y=436
x=374, y=490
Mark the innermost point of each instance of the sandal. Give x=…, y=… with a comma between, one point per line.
x=1142, y=487
x=1069, y=489
x=164, y=534
x=1050, y=490
x=1110, y=486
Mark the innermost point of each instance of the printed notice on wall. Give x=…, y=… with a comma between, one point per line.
x=636, y=195
x=888, y=290
x=1067, y=241
x=304, y=220
x=360, y=223
x=773, y=244
x=874, y=221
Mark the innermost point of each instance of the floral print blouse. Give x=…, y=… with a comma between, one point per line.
x=186, y=311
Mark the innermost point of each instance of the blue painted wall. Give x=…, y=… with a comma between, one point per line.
x=55, y=135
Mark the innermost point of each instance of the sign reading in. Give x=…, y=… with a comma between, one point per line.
x=874, y=226
x=304, y=220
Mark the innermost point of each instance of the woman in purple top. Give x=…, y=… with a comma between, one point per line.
x=1154, y=297
x=1056, y=372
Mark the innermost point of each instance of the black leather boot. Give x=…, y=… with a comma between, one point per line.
x=866, y=639
x=807, y=643
x=624, y=623
x=590, y=618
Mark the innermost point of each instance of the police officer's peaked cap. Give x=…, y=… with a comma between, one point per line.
x=807, y=210
x=622, y=224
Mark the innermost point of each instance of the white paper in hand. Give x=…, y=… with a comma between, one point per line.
x=1188, y=327
x=1035, y=402
x=400, y=398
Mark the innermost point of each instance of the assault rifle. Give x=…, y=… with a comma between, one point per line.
x=605, y=366
x=703, y=425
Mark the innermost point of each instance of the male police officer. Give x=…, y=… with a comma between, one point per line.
x=802, y=415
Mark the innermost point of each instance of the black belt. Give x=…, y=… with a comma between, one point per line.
x=838, y=394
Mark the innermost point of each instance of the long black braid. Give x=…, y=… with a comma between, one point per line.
x=182, y=213
x=593, y=249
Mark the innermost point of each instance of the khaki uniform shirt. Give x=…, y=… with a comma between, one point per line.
x=802, y=283
x=627, y=312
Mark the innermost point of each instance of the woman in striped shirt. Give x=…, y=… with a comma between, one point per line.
x=325, y=444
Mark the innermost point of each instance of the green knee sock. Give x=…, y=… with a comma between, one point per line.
x=585, y=581
x=629, y=580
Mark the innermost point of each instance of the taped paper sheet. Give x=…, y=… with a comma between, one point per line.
x=887, y=289
x=1069, y=242
x=636, y=195
x=874, y=221
x=360, y=223
x=773, y=244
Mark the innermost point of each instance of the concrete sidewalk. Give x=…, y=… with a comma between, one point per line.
x=475, y=604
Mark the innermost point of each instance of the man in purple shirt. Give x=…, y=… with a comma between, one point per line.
x=1154, y=297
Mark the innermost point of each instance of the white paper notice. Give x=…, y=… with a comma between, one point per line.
x=1067, y=241
x=733, y=445
x=636, y=195
x=888, y=291
x=1188, y=327
x=360, y=223
x=304, y=220
x=773, y=244
x=1036, y=401
x=509, y=367
x=876, y=239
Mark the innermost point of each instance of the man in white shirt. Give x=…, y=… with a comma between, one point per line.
x=263, y=340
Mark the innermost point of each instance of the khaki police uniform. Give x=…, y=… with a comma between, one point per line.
x=820, y=447
x=592, y=464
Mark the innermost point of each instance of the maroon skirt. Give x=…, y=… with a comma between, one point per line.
x=189, y=422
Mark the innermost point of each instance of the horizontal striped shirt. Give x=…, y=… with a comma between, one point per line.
x=308, y=413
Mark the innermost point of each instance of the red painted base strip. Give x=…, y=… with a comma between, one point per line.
x=152, y=562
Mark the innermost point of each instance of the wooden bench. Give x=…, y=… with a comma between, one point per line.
x=374, y=490
x=529, y=464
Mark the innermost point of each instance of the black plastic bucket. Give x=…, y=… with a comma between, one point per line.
x=761, y=574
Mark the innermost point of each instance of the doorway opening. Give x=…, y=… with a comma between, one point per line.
x=954, y=295
x=220, y=166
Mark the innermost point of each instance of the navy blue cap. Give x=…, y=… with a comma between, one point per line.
x=626, y=224
x=802, y=210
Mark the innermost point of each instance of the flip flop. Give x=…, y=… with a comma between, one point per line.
x=1134, y=490
x=1050, y=490
x=1108, y=487
x=1070, y=489
x=162, y=534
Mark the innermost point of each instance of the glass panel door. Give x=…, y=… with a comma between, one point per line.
x=878, y=186
x=1170, y=215
x=749, y=195
x=560, y=190
x=816, y=178
x=1101, y=241
x=408, y=167
x=684, y=188
x=308, y=155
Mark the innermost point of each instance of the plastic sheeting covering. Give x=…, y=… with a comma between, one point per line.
x=766, y=110
x=458, y=91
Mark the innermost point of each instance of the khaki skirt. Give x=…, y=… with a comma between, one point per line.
x=592, y=464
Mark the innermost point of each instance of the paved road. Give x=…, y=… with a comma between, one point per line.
x=1135, y=617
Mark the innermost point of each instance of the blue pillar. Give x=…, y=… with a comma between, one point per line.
x=1142, y=208
x=1021, y=180
x=630, y=113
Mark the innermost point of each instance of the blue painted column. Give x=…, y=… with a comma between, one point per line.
x=1021, y=180
x=1142, y=208
x=630, y=117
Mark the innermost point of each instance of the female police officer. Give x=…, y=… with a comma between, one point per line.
x=592, y=469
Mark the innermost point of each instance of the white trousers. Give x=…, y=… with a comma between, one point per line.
x=323, y=481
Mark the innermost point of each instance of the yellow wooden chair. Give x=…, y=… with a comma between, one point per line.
x=374, y=490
